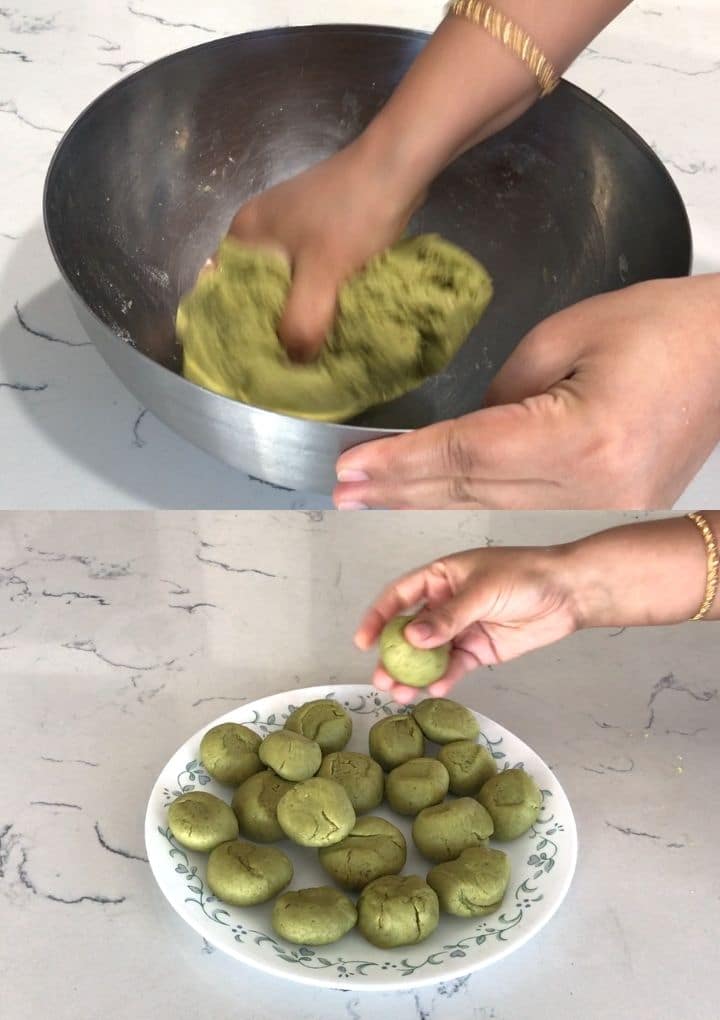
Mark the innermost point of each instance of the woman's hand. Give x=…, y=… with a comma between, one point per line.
x=612, y=403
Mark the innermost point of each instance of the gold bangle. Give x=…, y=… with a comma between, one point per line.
x=713, y=564
x=511, y=35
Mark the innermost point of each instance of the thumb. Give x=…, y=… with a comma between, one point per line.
x=310, y=309
x=543, y=358
x=436, y=625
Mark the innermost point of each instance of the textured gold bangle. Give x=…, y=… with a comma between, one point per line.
x=713, y=564
x=511, y=35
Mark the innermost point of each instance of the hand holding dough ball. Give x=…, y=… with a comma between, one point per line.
x=373, y=849
x=313, y=917
x=201, y=821
x=416, y=784
x=229, y=753
x=361, y=777
x=324, y=721
x=513, y=800
x=290, y=755
x=255, y=806
x=443, y=831
x=395, y=740
x=469, y=765
x=411, y=666
x=243, y=874
x=398, y=910
x=474, y=884
x=316, y=813
x=443, y=720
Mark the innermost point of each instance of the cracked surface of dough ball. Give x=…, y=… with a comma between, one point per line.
x=513, y=800
x=290, y=755
x=469, y=765
x=255, y=806
x=325, y=721
x=374, y=848
x=313, y=917
x=474, y=884
x=395, y=740
x=359, y=774
x=201, y=821
x=443, y=720
x=414, y=667
x=443, y=831
x=229, y=753
x=243, y=874
x=316, y=813
x=416, y=784
x=397, y=910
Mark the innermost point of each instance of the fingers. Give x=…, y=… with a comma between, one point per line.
x=310, y=309
x=439, y=624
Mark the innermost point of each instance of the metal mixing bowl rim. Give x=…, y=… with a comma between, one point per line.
x=585, y=97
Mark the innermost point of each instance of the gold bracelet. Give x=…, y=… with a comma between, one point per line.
x=713, y=564
x=511, y=35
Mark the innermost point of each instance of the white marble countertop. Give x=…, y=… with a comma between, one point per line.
x=73, y=435
x=122, y=634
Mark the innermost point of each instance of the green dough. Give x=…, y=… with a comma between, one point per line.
x=395, y=740
x=444, y=721
x=255, y=806
x=513, y=800
x=374, y=848
x=201, y=821
x=313, y=917
x=324, y=721
x=361, y=777
x=469, y=765
x=397, y=910
x=291, y=755
x=399, y=321
x=416, y=784
x=474, y=884
x=443, y=831
x=414, y=667
x=316, y=813
x=229, y=753
x=243, y=874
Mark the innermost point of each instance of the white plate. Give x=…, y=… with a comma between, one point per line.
x=542, y=862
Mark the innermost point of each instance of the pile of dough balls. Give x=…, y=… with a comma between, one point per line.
x=301, y=784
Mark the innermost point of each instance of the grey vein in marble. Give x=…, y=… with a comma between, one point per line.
x=22, y=24
x=18, y=54
x=670, y=683
x=55, y=803
x=24, y=387
x=116, y=850
x=137, y=438
x=192, y=606
x=170, y=24
x=71, y=596
x=122, y=65
x=89, y=646
x=41, y=334
x=227, y=566
x=69, y=761
x=6, y=106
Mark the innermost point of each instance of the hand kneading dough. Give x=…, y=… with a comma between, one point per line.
x=361, y=777
x=398, y=910
x=474, y=884
x=324, y=721
x=291, y=755
x=414, y=667
x=244, y=874
x=229, y=753
x=443, y=831
x=399, y=321
x=201, y=821
x=313, y=917
x=469, y=766
x=374, y=848
x=513, y=800
x=443, y=720
x=316, y=813
x=416, y=784
x=255, y=806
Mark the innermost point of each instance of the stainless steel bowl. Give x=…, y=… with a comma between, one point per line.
x=566, y=203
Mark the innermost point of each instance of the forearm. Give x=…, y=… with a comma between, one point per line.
x=642, y=574
x=465, y=85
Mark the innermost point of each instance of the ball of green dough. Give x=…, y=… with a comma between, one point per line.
x=474, y=884
x=361, y=777
x=374, y=848
x=243, y=874
x=416, y=784
x=313, y=917
x=324, y=721
x=443, y=720
x=316, y=813
x=229, y=753
x=395, y=740
x=255, y=806
x=414, y=667
x=513, y=800
x=469, y=765
x=397, y=910
x=290, y=755
x=201, y=821
x=443, y=831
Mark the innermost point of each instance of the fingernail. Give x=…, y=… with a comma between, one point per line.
x=352, y=475
x=420, y=631
x=350, y=504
